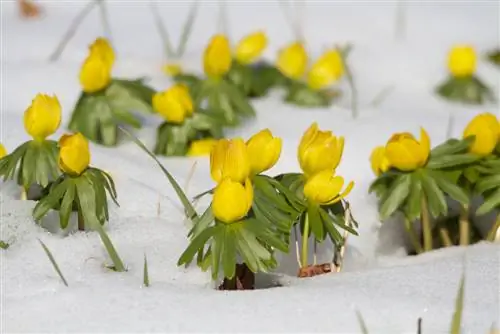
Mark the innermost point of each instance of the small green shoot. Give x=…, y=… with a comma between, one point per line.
x=4, y=245
x=53, y=261
x=361, y=321
x=459, y=306
x=146, y=273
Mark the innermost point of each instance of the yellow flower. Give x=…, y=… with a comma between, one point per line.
x=406, y=153
x=95, y=74
x=486, y=129
x=263, y=150
x=319, y=151
x=74, y=154
x=172, y=70
x=174, y=104
x=201, y=147
x=229, y=159
x=103, y=49
x=327, y=69
x=43, y=116
x=251, y=47
x=232, y=200
x=292, y=61
x=462, y=61
x=217, y=57
x=3, y=151
x=324, y=188
x=380, y=163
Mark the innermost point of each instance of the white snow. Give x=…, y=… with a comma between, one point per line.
x=390, y=289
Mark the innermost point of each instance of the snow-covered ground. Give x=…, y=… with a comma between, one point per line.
x=390, y=289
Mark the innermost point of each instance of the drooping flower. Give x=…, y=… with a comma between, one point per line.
x=319, y=151
x=486, y=131
x=201, y=147
x=174, y=104
x=43, y=116
x=379, y=162
x=229, y=159
x=74, y=154
x=264, y=151
x=292, y=61
x=95, y=74
x=462, y=61
x=325, y=188
x=251, y=47
x=232, y=200
x=326, y=70
x=217, y=58
x=406, y=153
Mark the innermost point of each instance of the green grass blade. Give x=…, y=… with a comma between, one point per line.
x=187, y=29
x=361, y=322
x=3, y=245
x=459, y=306
x=146, y=272
x=162, y=30
x=53, y=261
x=113, y=254
x=188, y=207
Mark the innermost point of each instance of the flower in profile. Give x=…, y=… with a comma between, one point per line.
x=251, y=47
x=43, y=116
x=217, y=58
x=486, y=131
x=325, y=188
x=263, y=150
x=174, y=104
x=74, y=154
x=232, y=200
x=326, y=70
x=95, y=74
x=201, y=147
x=229, y=159
x=462, y=61
x=292, y=61
x=102, y=48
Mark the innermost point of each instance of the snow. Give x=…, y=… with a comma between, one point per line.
x=390, y=289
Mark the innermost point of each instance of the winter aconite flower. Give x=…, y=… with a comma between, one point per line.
x=43, y=116
x=319, y=151
x=324, y=188
x=74, y=154
x=486, y=131
x=95, y=73
x=201, y=147
x=3, y=151
x=406, y=153
x=250, y=47
x=462, y=61
x=379, y=162
x=174, y=104
x=172, y=70
x=232, y=200
x=103, y=49
x=263, y=150
x=217, y=57
x=326, y=70
x=229, y=159
x=292, y=61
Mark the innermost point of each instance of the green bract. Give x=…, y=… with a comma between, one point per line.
x=470, y=90
x=98, y=115
x=254, y=80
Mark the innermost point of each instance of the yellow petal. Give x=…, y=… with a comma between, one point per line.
x=263, y=150
x=486, y=128
x=43, y=116
x=217, y=158
x=217, y=57
x=379, y=161
x=292, y=61
x=462, y=61
x=401, y=157
x=232, y=201
x=326, y=70
x=236, y=162
x=74, y=154
x=103, y=49
x=95, y=74
x=425, y=146
x=3, y=151
x=324, y=188
x=251, y=47
x=172, y=70
x=174, y=104
x=201, y=147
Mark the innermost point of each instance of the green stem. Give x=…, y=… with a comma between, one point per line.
x=426, y=225
x=81, y=221
x=413, y=237
x=445, y=237
x=305, y=240
x=464, y=226
x=494, y=229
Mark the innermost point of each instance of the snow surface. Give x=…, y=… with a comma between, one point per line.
x=390, y=289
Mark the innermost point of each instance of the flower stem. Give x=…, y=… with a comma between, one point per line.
x=445, y=237
x=305, y=239
x=24, y=194
x=464, y=226
x=81, y=222
x=413, y=237
x=494, y=229
x=426, y=225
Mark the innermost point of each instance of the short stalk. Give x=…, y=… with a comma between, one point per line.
x=426, y=225
x=305, y=240
x=24, y=194
x=464, y=226
x=81, y=221
x=413, y=237
x=493, y=232
x=445, y=237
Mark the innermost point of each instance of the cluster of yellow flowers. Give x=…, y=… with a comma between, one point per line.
x=233, y=163
x=293, y=63
x=319, y=154
x=404, y=152
x=95, y=73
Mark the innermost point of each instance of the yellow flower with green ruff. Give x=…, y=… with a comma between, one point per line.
x=43, y=116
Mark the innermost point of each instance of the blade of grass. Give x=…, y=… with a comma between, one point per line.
x=146, y=273
x=187, y=29
x=3, y=245
x=162, y=30
x=361, y=321
x=289, y=18
x=53, y=261
x=419, y=326
x=113, y=254
x=222, y=19
x=380, y=97
x=105, y=20
x=459, y=307
x=400, y=32
x=188, y=207
x=350, y=80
